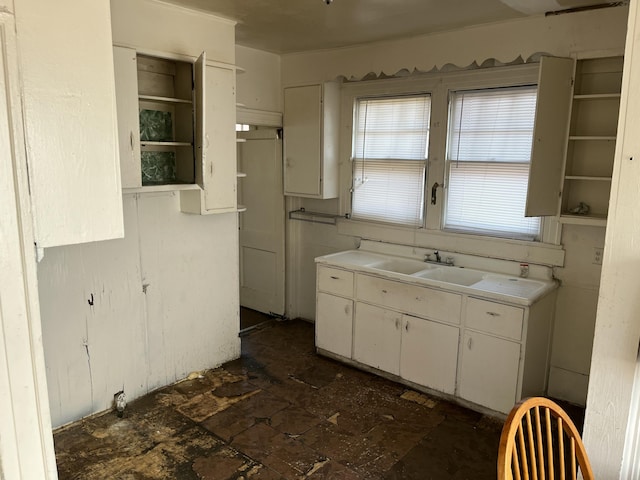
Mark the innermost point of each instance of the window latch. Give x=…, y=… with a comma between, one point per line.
x=434, y=190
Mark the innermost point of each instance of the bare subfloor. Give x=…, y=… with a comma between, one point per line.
x=281, y=411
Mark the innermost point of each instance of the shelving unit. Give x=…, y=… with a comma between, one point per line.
x=591, y=141
x=166, y=112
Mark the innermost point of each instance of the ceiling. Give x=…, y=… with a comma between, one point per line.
x=288, y=26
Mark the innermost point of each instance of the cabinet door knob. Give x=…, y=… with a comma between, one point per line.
x=493, y=314
x=384, y=291
x=469, y=342
x=131, y=140
x=397, y=323
x=406, y=326
x=333, y=277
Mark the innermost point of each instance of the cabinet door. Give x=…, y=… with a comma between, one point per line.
x=429, y=353
x=302, y=140
x=66, y=55
x=334, y=324
x=489, y=371
x=220, y=168
x=126, y=78
x=553, y=108
x=376, y=338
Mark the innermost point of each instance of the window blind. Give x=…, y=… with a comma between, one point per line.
x=389, y=159
x=488, y=155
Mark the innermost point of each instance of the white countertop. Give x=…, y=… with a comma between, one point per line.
x=497, y=286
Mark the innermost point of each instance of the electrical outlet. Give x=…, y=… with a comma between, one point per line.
x=597, y=255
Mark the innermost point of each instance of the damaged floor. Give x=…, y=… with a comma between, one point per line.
x=282, y=412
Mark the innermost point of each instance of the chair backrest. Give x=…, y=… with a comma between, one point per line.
x=540, y=442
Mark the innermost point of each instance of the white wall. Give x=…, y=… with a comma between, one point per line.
x=165, y=297
x=187, y=320
x=561, y=35
x=258, y=87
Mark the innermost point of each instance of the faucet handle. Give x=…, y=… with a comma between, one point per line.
x=449, y=260
x=427, y=257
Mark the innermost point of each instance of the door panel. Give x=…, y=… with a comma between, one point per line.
x=262, y=224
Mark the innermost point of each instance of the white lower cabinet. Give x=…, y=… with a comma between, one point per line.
x=485, y=352
x=429, y=353
x=334, y=324
x=489, y=371
x=376, y=335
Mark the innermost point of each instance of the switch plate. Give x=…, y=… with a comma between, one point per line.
x=597, y=255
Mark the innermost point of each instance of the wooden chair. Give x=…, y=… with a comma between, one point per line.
x=540, y=442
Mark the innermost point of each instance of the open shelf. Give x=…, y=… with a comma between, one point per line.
x=158, y=99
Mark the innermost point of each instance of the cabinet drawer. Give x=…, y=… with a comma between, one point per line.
x=334, y=280
x=413, y=299
x=495, y=318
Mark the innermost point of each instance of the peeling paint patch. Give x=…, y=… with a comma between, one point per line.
x=419, y=398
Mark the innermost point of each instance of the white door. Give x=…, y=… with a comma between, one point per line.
x=262, y=224
x=429, y=353
x=376, y=337
x=489, y=373
x=334, y=324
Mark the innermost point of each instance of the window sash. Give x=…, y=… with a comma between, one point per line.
x=489, y=198
x=390, y=191
x=492, y=125
x=392, y=127
x=488, y=157
x=390, y=143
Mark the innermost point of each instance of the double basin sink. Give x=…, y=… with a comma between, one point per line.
x=497, y=285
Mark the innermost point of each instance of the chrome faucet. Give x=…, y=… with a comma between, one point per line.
x=448, y=261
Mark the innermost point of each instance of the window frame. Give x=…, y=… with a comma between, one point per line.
x=423, y=163
x=450, y=161
x=439, y=85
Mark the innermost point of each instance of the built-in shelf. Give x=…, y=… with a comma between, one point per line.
x=241, y=175
x=162, y=188
x=588, y=178
x=611, y=138
x=158, y=99
x=595, y=96
x=591, y=142
x=240, y=70
x=241, y=140
x=147, y=143
x=589, y=220
x=242, y=208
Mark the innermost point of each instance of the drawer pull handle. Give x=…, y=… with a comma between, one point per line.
x=493, y=314
x=469, y=342
x=384, y=291
x=334, y=277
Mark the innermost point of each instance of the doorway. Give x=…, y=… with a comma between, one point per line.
x=262, y=224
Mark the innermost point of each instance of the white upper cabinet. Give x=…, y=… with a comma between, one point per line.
x=549, y=136
x=70, y=119
x=176, y=128
x=311, y=124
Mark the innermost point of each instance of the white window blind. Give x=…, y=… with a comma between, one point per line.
x=390, y=142
x=488, y=156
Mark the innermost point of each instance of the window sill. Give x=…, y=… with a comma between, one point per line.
x=499, y=248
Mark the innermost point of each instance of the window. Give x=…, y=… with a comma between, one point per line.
x=488, y=157
x=390, y=142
